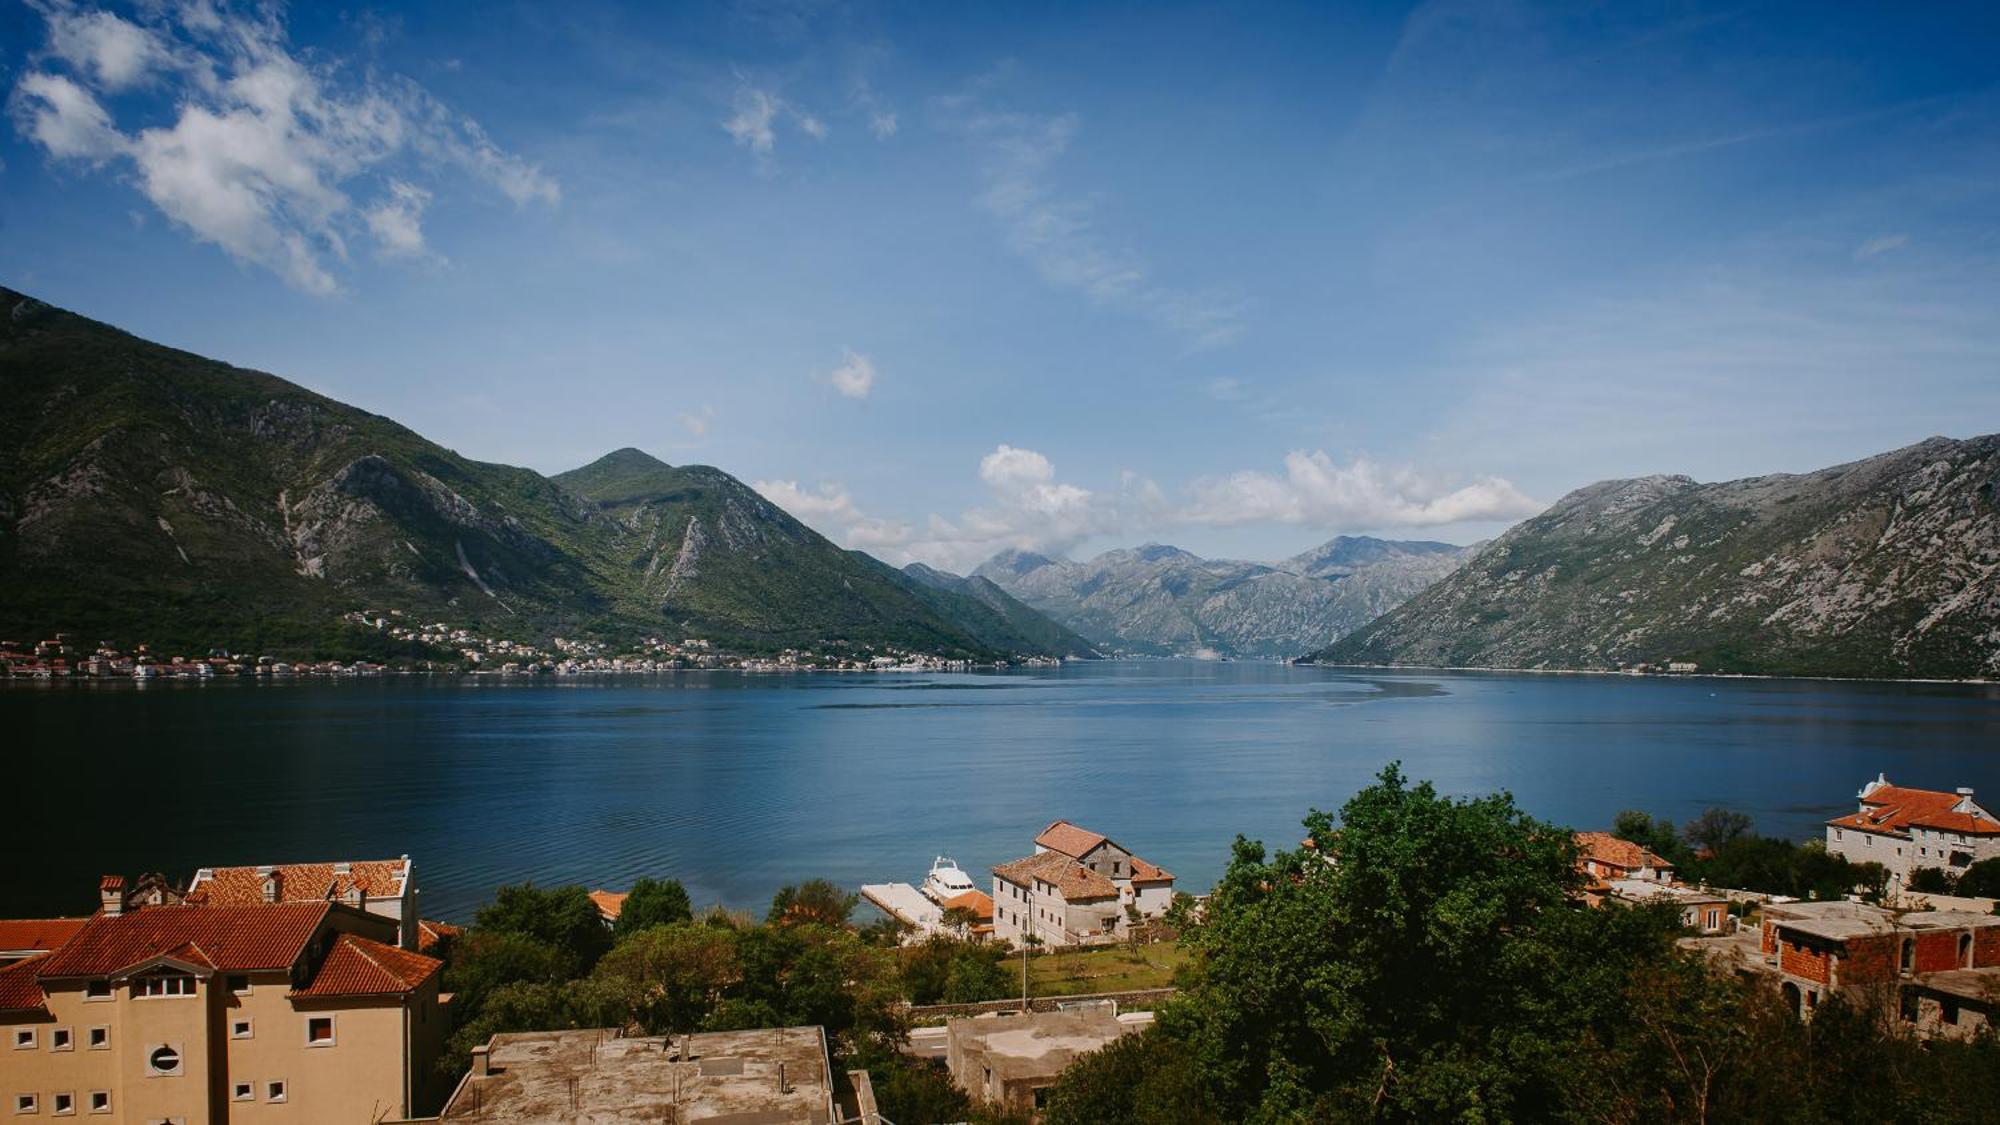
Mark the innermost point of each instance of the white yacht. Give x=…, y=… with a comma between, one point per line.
x=946, y=881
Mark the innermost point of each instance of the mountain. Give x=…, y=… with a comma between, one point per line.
x=1884, y=567
x=1160, y=600
x=996, y=617
x=149, y=494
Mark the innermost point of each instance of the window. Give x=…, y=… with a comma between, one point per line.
x=24, y=1039
x=100, y=1101
x=163, y=984
x=164, y=1059
x=62, y=1105
x=242, y=1092
x=97, y=990
x=240, y=984
x=1965, y=950
x=319, y=1031
x=1948, y=1011
x=26, y=1103
x=274, y=1091
x=1911, y=1005
x=61, y=1040
x=100, y=1038
x=1909, y=955
x=240, y=1029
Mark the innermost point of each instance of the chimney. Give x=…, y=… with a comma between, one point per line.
x=274, y=883
x=343, y=869
x=1965, y=790
x=482, y=1061
x=111, y=895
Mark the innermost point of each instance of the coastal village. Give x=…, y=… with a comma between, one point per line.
x=313, y=991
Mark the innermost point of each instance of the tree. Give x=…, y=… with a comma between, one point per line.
x=674, y=976
x=562, y=917
x=1137, y=1079
x=948, y=969
x=1932, y=881
x=1423, y=962
x=815, y=901
x=482, y=961
x=1981, y=880
x=1657, y=836
x=653, y=902
x=1714, y=829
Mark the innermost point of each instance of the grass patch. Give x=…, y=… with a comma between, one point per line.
x=1114, y=969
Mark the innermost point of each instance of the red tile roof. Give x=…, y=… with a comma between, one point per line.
x=301, y=882
x=1143, y=872
x=1606, y=848
x=228, y=938
x=430, y=933
x=20, y=986
x=978, y=902
x=356, y=966
x=1067, y=838
x=1892, y=809
x=610, y=904
x=43, y=934
x=1073, y=880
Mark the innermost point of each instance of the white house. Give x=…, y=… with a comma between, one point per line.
x=1079, y=888
x=1904, y=829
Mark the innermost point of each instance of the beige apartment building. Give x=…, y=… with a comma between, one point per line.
x=378, y=886
x=263, y=1012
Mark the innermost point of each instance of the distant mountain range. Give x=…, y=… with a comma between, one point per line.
x=1884, y=567
x=1162, y=601
x=148, y=494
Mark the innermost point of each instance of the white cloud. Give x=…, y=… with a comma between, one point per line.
x=883, y=124
x=397, y=221
x=811, y=126
x=1057, y=233
x=1882, y=245
x=1316, y=492
x=266, y=151
x=751, y=123
x=1029, y=508
x=855, y=376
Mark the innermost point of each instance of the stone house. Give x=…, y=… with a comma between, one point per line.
x=1078, y=888
x=1904, y=829
x=1816, y=948
x=1012, y=1060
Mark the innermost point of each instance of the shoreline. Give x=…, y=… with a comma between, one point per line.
x=1974, y=682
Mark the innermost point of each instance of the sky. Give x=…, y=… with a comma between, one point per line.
x=944, y=279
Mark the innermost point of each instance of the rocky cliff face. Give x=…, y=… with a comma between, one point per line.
x=1162, y=601
x=1884, y=567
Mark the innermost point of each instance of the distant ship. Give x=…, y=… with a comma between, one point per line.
x=946, y=881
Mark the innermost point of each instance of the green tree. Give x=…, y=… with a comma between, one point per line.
x=1932, y=881
x=653, y=902
x=1138, y=1079
x=953, y=971
x=1714, y=829
x=561, y=917
x=1658, y=836
x=673, y=976
x=813, y=902
x=483, y=961
x=1981, y=880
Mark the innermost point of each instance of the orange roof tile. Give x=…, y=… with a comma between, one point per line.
x=1073, y=880
x=430, y=933
x=301, y=882
x=43, y=934
x=1143, y=872
x=1606, y=848
x=356, y=966
x=20, y=986
x=1070, y=840
x=978, y=902
x=1892, y=809
x=229, y=938
x=610, y=904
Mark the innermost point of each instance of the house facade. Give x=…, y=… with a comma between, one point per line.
x=1817, y=948
x=1078, y=888
x=283, y=1011
x=1904, y=829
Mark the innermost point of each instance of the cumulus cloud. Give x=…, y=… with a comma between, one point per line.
x=277, y=158
x=1028, y=507
x=1057, y=233
x=855, y=376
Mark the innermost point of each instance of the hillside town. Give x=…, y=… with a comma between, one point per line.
x=322, y=988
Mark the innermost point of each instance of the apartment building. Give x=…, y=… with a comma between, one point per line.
x=189, y=1014
x=386, y=887
x=1904, y=829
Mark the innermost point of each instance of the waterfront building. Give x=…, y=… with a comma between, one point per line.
x=1904, y=829
x=1078, y=888
x=384, y=887
x=773, y=1076
x=1603, y=858
x=267, y=1011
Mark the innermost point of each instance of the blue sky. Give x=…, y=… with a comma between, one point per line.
x=944, y=280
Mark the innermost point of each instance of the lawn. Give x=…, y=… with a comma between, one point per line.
x=1113, y=969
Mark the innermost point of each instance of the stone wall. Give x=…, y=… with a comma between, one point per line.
x=1138, y=998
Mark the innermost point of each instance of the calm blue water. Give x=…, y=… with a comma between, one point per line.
x=738, y=784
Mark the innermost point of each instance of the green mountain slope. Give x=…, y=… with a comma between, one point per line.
x=995, y=616
x=1884, y=567
x=149, y=494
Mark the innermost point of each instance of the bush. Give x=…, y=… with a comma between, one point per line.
x=1932, y=881
x=653, y=902
x=1981, y=880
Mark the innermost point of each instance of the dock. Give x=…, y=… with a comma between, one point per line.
x=906, y=904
